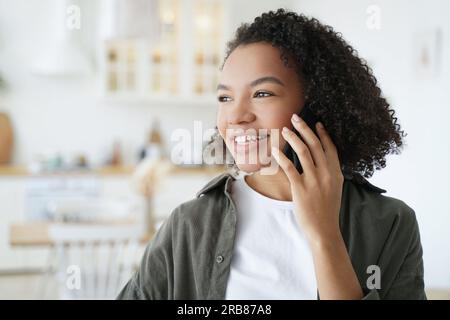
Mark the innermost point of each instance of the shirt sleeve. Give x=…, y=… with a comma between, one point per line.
x=371, y=295
x=152, y=280
x=407, y=281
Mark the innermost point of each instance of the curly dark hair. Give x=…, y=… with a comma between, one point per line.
x=340, y=87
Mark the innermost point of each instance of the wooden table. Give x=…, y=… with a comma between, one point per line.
x=37, y=234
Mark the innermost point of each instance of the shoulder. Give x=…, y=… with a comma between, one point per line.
x=383, y=231
x=369, y=213
x=208, y=205
x=373, y=203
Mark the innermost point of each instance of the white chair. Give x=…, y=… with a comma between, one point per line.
x=92, y=261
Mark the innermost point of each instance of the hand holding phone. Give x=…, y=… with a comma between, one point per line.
x=310, y=120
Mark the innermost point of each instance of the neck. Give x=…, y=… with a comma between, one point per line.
x=274, y=186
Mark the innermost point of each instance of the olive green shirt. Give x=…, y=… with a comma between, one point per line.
x=190, y=255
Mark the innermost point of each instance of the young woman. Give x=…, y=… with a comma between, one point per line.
x=320, y=232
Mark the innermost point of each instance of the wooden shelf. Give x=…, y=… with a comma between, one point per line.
x=9, y=170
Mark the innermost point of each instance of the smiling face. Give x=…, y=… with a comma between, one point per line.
x=257, y=96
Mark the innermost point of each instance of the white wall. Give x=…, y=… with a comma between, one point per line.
x=420, y=176
x=65, y=114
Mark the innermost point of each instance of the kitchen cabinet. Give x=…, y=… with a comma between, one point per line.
x=179, y=63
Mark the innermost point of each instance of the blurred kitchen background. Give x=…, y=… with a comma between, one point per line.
x=92, y=90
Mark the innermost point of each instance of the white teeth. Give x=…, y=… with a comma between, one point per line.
x=247, y=138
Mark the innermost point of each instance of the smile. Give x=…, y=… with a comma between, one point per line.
x=246, y=139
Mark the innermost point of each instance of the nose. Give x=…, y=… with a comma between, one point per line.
x=240, y=113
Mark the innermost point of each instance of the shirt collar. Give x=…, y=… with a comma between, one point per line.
x=225, y=178
x=359, y=179
x=215, y=182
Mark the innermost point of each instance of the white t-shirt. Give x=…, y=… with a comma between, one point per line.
x=271, y=257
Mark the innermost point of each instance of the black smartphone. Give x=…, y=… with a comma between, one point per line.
x=311, y=120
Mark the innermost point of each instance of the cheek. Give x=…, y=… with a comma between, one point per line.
x=277, y=119
x=221, y=123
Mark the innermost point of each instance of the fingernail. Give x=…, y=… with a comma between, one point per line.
x=295, y=117
x=320, y=125
x=285, y=130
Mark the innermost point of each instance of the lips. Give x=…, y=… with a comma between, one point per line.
x=245, y=140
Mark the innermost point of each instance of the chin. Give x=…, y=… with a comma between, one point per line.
x=249, y=168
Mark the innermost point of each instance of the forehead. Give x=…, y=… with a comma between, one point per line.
x=247, y=62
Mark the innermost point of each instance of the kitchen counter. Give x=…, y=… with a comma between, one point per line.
x=24, y=194
x=14, y=170
x=17, y=171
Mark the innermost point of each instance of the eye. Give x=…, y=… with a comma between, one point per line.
x=223, y=98
x=263, y=94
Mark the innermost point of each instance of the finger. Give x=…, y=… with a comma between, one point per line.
x=313, y=142
x=288, y=167
x=328, y=145
x=301, y=149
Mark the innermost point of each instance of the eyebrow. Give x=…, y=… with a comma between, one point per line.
x=256, y=82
